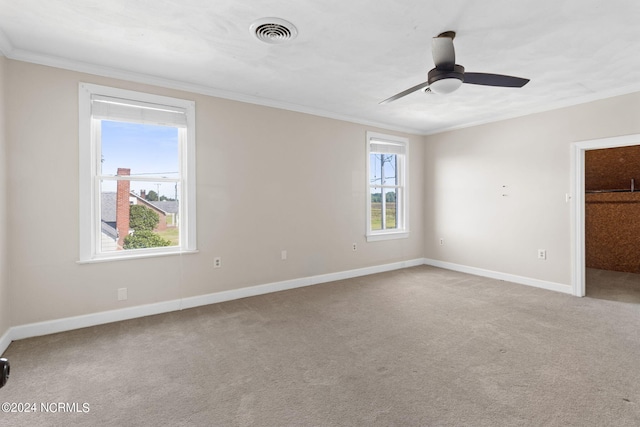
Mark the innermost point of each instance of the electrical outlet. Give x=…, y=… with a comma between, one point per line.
x=122, y=294
x=441, y=241
x=217, y=262
x=542, y=254
x=283, y=255
x=354, y=247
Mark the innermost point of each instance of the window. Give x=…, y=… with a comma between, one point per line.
x=387, y=187
x=137, y=174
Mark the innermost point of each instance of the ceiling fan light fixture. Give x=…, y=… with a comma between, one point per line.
x=447, y=76
x=445, y=81
x=446, y=85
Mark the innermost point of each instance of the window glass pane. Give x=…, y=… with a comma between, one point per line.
x=146, y=150
x=376, y=209
x=391, y=202
x=133, y=216
x=390, y=162
x=375, y=176
x=383, y=169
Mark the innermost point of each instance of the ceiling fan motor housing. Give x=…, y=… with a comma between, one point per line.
x=446, y=81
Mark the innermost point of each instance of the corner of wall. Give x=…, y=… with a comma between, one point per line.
x=427, y=225
x=5, y=307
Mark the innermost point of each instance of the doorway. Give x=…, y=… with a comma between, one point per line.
x=581, y=274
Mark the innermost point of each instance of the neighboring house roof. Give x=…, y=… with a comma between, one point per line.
x=108, y=207
x=149, y=204
x=168, y=206
x=108, y=214
x=109, y=228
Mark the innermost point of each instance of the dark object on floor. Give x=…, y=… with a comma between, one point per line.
x=5, y=368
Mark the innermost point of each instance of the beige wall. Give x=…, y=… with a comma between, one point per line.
x=270, y=180
x=5, y=314
x=267, y=180
x=467, y=171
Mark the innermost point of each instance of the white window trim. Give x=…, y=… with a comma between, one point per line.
x=89, y=193
x=401, y=233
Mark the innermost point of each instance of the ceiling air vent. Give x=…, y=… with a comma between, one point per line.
x=273, y=30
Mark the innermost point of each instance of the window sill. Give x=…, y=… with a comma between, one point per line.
x=135, y=256
x=374, y=237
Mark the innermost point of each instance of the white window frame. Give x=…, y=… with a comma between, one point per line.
x=402, y=218
x=89, y=169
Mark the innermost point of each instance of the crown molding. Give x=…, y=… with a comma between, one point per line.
x=542, y=108
x=98, y=70
x=7, y=49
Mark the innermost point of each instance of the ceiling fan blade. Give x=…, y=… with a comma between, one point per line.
x=404, y=93
x=444, y=54
x=494, y=80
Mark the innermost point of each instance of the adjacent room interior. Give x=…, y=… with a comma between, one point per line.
x=220, y=214
x=612, y=232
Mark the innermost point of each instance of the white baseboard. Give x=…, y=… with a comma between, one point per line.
x=77, y=322
x=551, y=286
x=292, y=284
x=5, y=340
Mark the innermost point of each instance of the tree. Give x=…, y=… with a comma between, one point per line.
x=390, y=197
x=141, y=218
x=152, y=196
x=144, y=239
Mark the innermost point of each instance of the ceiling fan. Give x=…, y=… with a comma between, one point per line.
x=448, y=76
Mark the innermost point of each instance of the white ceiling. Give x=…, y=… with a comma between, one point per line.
x=349, y=54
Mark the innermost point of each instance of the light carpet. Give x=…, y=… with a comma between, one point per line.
x=415, y=347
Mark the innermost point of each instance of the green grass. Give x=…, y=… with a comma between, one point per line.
x=172, y=234
x=376, y=216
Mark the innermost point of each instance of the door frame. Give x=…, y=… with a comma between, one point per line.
x=578, y=282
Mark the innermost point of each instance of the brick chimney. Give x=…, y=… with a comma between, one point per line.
x=143, y=194
x=122, y=206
